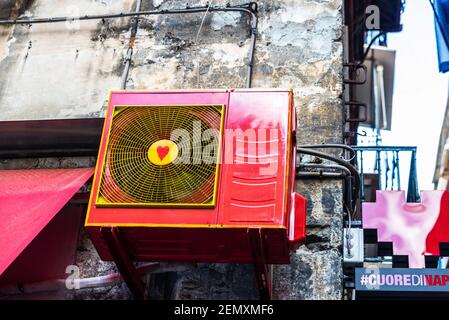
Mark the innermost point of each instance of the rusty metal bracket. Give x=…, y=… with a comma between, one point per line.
x=123, y=261
x=359, y=105
x=262, y=270
x=354, y=68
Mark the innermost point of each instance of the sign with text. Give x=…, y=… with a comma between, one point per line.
x=402, y=279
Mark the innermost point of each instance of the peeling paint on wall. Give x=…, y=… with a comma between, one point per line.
x=49, y=58
x=157, y=3
x=219, y=20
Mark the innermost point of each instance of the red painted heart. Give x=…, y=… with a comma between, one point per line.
x=162, y=152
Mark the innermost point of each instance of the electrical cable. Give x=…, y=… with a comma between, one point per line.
x=365, y=55
x=351, y=168
x=196, y=42
x=332, y=146
x=350, y=171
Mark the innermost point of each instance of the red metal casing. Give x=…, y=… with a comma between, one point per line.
x=245, y=197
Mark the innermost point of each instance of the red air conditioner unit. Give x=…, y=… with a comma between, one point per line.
x=198, y=176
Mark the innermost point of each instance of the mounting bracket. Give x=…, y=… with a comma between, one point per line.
x=261, y=269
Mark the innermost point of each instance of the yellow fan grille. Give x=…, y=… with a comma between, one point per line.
x=130, y=177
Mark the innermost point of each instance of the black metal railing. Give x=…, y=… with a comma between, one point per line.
x=385, y=163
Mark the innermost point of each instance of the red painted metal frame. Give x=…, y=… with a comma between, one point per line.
x=246, y=201
x=262, y=270
x=123, y=261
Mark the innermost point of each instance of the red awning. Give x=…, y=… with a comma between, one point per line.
x=29, y=199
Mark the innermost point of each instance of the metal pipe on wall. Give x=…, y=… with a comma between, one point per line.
x=325, y=166
x=344, y=147
x=108, y=280
x=354, y=173
x=129, y=52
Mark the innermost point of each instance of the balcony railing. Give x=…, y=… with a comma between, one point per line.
x=383, y=166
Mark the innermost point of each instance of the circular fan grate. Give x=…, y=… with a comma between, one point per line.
x=130, y=177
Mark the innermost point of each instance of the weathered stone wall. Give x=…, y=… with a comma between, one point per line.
x=59, y=71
